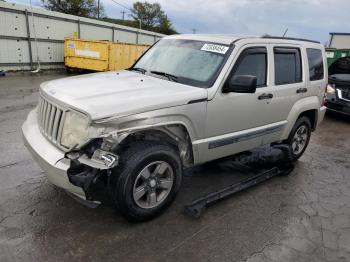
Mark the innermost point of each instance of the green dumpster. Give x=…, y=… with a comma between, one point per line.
x=333, y=54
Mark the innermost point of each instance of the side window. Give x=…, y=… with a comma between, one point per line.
x=252, y=61
x=316, y=69
x=288, y=69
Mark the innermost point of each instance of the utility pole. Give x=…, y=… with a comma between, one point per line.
x=98, y=9
x=123, y=12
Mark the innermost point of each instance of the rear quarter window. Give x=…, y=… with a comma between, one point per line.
x=316, y=67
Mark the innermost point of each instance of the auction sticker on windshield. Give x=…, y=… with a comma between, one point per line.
x=221, y=49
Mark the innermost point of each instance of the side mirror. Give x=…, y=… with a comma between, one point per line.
x=241, y=84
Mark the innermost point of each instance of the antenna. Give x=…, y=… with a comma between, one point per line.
x=285, y=32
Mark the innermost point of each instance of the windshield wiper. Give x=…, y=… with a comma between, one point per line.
x=138, y=69
x=169, y=76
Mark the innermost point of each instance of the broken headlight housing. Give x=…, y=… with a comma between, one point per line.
x=75, y=129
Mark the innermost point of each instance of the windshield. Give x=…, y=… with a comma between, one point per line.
x=189, y=62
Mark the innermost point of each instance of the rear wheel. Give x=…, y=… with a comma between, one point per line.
x=299, y=137
x=147, y=180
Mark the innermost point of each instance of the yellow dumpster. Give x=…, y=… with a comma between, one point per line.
x=100, y=55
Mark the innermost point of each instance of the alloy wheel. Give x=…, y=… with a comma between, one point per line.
x=153, y=184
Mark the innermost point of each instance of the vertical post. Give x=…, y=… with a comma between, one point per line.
x=98, y=9
x=138, y=33
x=112, y=34
x=29, y=41
x=79, y=28
x=330, y=41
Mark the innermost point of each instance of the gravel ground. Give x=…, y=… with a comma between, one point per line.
x=301, y=217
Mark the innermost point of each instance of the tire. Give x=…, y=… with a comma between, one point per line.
x=299, y=144
x=143, y=188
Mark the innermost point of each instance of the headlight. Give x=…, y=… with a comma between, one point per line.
x=330, y=89
x=75, y=129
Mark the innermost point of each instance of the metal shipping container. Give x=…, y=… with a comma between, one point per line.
x=100, y=55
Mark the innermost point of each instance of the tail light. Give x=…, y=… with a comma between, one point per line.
x=324, y=102
x=330, y=89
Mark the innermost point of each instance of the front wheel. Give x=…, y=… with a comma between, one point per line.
x=299, y=137
x=147, y=180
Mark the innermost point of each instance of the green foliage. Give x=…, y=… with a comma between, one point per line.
x=152, y=17
x=86, y=8
x=165, y=26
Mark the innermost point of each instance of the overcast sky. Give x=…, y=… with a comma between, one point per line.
x=312, y=19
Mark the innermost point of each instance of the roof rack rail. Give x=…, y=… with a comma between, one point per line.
x=290, y=38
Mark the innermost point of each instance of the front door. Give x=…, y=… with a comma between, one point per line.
x=235, y=121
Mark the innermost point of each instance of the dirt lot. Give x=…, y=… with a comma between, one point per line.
x=302, y=217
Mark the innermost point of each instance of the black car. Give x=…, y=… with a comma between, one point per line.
x=338, y=89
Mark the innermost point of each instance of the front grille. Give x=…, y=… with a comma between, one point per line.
x=50, y=118
x=345, y=94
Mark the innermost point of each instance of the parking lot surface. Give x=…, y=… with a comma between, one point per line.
x=301, y=217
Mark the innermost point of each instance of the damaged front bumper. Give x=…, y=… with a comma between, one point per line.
x=337, y=103
x=74, y=174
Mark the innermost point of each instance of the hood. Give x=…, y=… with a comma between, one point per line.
x=340, y=66
x=341, y=81
x=120, y=93
x=340, y=78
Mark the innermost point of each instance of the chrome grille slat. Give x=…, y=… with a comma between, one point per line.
x=47, y=115
x=43, y=116
x=40, y=108
x=55, y=124
x=50, y=119
x=60, y=127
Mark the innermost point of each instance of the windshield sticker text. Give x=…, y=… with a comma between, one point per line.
x=221, y=49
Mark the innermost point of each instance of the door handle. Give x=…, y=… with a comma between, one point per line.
x=301, y=90
x=265, y=96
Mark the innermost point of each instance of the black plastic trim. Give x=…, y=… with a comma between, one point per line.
x=236, y=139
x=23, y=38
x=197, y=101
x=290, y=38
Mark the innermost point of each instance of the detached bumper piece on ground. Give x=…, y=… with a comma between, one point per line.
x=267, y=162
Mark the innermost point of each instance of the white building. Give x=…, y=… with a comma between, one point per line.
x=339, y=40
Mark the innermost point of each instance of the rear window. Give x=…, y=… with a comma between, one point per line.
x=316, y=69
x=288, y=68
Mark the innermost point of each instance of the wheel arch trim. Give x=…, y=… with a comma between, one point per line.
x=300, y=107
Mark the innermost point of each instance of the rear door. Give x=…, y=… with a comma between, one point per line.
x=287, y=86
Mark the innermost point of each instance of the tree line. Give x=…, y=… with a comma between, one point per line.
x=151, y=15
